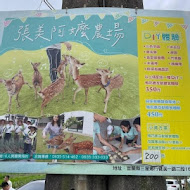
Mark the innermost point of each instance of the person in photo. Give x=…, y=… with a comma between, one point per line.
x=138, y=146
x=54, y=55
x=2, y=126
x=18, y=130
x=26, y=128
x=29, y=139
x=113, y=132
x=5, y=186
x=7, y=179
x=97, y=136
x=129, y=132
x=54, y=128
x=8, y=129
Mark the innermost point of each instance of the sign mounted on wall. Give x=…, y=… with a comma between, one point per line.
x=104, y=91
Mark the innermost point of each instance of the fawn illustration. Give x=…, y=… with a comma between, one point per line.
x=109, y=83
x=37, y=78
x=82, y=81
x=13, y=86
x=54, y=89
x=76, y=148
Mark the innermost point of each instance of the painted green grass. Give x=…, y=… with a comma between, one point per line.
x=19, y=180
x=125, y=107
x=42, y=148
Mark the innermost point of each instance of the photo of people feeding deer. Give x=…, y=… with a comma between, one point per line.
x=65, y=134
x=80, y=80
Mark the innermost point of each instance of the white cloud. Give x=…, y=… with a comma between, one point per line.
x=183, y=5
x=13, y=5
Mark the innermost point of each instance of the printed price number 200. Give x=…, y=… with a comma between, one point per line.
x=153, y=156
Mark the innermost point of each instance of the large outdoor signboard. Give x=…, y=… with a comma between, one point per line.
x=95, y=91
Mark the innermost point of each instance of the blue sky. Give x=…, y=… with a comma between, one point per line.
x=11, y=5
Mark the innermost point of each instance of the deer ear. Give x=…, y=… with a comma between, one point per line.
x=109, y=69
x=3, y=81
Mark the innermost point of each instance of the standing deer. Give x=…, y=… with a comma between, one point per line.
x=54, y=89
x=109, y=83
x=82, y=81
x=62, y=66
x=37, y=78
x=70, y=69
x=77, y=148
x=14, y=86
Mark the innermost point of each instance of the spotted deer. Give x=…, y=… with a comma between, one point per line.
x=54, y=89
x=37, y=78
x=70, y=73
x=76, y=148
x=13, y=86
x=109, y=84
x=57, y=140
x=82, y=81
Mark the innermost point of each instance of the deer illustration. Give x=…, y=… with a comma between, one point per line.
x=37, y=78
x=76, y=148
x=110, y=83
x=54, y=89
x=82, y=81
x=14, y=86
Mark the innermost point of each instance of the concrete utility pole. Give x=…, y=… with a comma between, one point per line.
x=102, y=3
x=95, y=182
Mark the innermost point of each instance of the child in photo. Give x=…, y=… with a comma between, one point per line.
x=138, y=146
x=113, y=132
x=29, y=139
x=129, y=132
